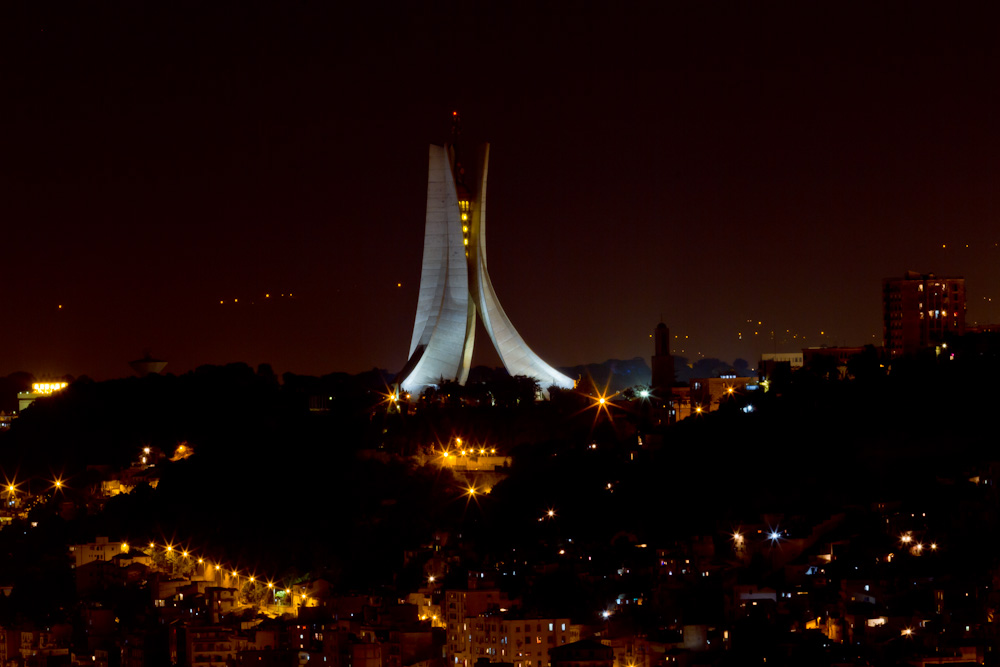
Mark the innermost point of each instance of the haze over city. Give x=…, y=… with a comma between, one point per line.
x=736, y=172
x=732, y=395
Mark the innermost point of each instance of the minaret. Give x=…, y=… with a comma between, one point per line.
x=663, y=361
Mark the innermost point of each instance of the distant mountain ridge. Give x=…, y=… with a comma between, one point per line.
x=615, y=374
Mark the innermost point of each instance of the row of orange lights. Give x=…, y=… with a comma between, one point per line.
x=11, y=488
x=226, y=571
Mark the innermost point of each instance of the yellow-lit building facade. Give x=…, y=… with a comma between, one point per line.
x=38, y=390
x=101, y=549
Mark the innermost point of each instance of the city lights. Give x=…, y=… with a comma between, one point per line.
x=48, y=387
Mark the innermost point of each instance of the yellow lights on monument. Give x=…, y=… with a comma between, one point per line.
x=906, y=539
x=251, y=580
x=185, y=554
x=124, y=547
x=202, y=560
x=471, y=491
x=145, y=450
x=48, y=387
x=169, y=549
x=152, y=545
x=907, y=632
x=270, y=584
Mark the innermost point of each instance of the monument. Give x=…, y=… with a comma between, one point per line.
x=455, y=284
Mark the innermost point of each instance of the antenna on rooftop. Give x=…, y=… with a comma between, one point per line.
x=456, y=134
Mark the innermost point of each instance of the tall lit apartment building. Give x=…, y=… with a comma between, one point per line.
x=524, y=642
x=479, y=626
x=919, y=310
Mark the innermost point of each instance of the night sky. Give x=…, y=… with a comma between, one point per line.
x=715, y=164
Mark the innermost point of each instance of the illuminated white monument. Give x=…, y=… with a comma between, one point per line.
x=455, y=285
